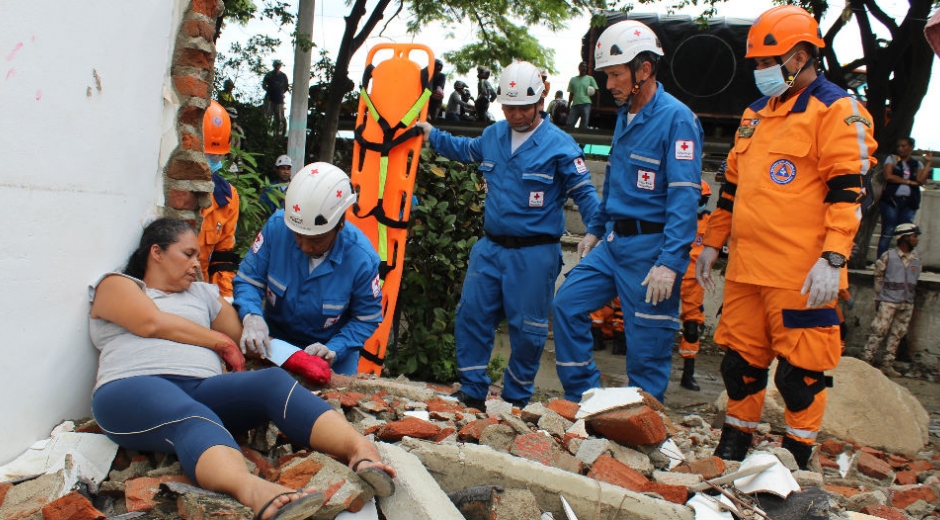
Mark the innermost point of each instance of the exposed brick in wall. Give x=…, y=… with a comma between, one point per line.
x=187, y=178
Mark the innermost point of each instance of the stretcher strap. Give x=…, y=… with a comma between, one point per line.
x=389, y=142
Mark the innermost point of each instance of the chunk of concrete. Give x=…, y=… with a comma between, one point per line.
x=863, y=405
x=90, y=456
x=459, y=466
x=417, y=495
x=413, y=392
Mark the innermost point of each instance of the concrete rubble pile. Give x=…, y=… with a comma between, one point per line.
x=616, y=455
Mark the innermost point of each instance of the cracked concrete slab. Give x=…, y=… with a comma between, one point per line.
x=459, y=466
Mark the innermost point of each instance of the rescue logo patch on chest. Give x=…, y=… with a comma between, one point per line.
x=646, y=180
x=782, y=171
x=536, y=199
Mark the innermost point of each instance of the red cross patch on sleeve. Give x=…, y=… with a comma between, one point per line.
x=579, y=165
x=685, y=150
x=376, y=287
x=259, y=241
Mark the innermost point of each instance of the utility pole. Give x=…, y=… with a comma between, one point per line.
x=300, y=91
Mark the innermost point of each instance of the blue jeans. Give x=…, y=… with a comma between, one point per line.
x=894, y=211
x=582, y=112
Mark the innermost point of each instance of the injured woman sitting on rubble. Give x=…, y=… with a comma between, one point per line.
x=163, y=338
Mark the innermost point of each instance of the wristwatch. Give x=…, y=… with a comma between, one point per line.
x=835, y=259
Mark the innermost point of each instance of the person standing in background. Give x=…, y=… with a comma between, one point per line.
x=581, y=90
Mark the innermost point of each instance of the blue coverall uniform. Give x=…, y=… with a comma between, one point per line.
x=339, y=304
x=653, y=176
x=526, y=192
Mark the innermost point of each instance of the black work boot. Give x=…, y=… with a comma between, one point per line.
x=688, y=375
x=598, y=336
x=801, y=452
x=469, y=402
x=620, y=344
x=733, y=444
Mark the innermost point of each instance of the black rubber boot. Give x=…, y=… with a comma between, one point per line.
x=470, y=402
x=801, y=452
x=733, y=444
x=598, y=336
x=620, y=344
x=688, y=375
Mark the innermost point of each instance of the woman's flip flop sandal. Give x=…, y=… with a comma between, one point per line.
x=381, y=482
x=304, y=507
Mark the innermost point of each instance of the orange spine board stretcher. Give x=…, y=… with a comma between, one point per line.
x=385, y=161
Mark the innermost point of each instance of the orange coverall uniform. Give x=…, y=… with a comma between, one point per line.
x=608, y=318
x=691, y=293
x=217, y=241
x=791, y=192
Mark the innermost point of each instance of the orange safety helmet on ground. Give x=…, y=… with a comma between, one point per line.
x=777, y=30
x=216, y=130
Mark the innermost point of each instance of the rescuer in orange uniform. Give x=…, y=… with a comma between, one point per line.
x=217, y=256
x=790, y=207
x=692, y=295
x=607, y=323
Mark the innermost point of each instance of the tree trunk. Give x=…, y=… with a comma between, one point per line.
x=350, y=44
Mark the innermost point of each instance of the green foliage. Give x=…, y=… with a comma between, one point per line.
x=446, y=223
x=495, y=368
x=255, y=193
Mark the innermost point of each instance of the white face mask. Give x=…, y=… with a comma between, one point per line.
x=770, y=81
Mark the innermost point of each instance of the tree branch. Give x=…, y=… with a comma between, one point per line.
x=882, y=17
x=378, y=12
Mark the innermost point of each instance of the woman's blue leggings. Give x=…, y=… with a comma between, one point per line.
x=187, y=416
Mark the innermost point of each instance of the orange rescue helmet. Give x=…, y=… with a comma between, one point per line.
x=216, y=129
x=777, y=30
x=706, y=189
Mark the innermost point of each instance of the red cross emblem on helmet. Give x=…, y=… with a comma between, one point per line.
x=297, y=208
x=339, y=193
x=314, y=171
x=512, y=84
x=637, y=33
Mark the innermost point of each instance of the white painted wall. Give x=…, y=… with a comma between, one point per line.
x=80, y=170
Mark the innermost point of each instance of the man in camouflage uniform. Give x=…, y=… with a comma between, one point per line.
x=896, y=273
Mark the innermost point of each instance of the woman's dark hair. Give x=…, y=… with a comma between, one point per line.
x=162, y=232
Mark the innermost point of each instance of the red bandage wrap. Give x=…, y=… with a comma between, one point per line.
x=312, y=368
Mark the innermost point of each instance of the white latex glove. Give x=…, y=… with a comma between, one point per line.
x=321, y=350
x=822, y=284
x=703, y=267
x=658, y=283
x=586, y=244
x=255, y=336
x=425, y=127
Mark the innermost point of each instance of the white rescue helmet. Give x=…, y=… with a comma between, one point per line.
x=520, y=84
x=622, y=41
x=316, y=199
x=283, y=160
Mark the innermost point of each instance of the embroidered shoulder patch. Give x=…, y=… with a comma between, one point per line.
x=259, y=241
x=685, y=150
x=857, y=119
x=580, y=165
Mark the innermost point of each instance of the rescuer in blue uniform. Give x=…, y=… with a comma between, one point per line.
x=647, y=218
x=317, y=277
x=531, y=167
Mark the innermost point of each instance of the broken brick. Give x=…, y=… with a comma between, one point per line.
x=474, y=429
x=904, y=496
x=905, y=478
x=139, y=492
x=265, y=469
x=871, y=466
x=4, y=487
x=888, y=513
x=565, y=408
x=675, y=494
x=845, y=491
x=408, y=427
x=709, y=468
x=610, y=470
x=921, y=465
x=439, y=405
x=298, y=473
x=73, y=506
x=445, y=433
x=831, y=447
x=534, y=446
x=637, y=426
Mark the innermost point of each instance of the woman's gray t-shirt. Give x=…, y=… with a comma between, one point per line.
x=124, y=354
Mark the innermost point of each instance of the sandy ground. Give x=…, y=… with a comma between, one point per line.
x=682, y=402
